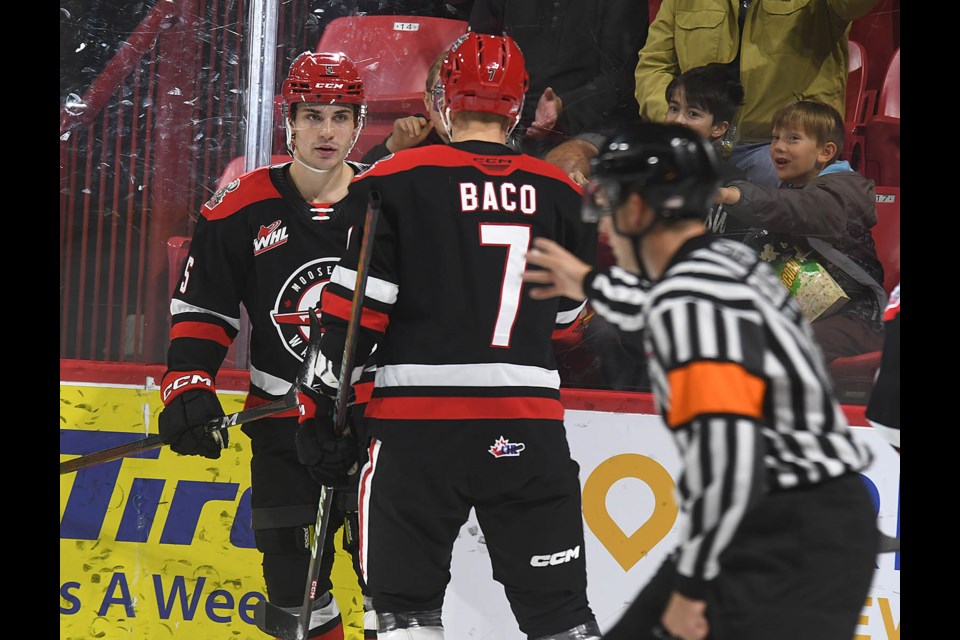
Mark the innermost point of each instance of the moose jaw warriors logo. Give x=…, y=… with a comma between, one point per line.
x=300, y=293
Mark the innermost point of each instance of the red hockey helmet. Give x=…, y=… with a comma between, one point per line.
x=323, y=78
x=485, y=73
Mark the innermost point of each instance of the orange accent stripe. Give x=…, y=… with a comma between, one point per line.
x=713, y=387
x=443, y=408
x=369, y=319
x=200, y=331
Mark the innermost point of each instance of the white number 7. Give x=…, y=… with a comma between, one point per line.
x=517, y=240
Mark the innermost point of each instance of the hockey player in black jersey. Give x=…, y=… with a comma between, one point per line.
x=465, y=411
x=269, y=241
x=779, y=538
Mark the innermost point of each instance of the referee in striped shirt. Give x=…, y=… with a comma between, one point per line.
x=779, y=539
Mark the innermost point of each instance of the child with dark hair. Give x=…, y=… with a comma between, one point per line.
x=820, y=216
x=706, y=99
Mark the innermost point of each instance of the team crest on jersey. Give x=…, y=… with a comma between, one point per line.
x=269, y=237
x=218, y=196
x=300, y=293
x=503, y=448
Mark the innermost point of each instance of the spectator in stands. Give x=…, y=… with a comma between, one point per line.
x=782, y=52
x=580, y=55
x=706, y=99
x=823, y=210
x=417, y=130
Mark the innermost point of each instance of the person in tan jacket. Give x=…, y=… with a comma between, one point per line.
x=785, y=50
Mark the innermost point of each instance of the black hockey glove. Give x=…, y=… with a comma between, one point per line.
x=191, y=402
x=331, y=460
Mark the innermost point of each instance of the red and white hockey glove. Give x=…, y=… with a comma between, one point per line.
x=190, y=401
x=331, y=460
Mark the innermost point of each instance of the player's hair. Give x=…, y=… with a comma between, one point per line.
x=820, y=121
x=433, y=74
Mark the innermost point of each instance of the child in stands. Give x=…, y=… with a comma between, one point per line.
x=706, y=99
x=824, y=210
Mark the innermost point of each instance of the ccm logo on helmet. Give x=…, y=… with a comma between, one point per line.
x=188, y=380
x=329, y=85
x=559, y=557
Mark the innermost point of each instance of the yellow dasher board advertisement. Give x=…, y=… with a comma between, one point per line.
x=159, y=545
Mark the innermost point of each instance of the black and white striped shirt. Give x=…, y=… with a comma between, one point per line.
x=740, y=382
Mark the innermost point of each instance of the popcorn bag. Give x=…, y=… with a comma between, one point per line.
x=817, y=293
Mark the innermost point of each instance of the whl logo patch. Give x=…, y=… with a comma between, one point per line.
x=269, y=237
x=503, y=448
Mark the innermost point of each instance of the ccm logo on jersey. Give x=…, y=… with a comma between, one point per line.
x=503, y=448
x=488, y=197
x=182, y=382
x=269, y=237
x=559, y=557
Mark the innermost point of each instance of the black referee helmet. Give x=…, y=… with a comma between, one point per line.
x=669, y=165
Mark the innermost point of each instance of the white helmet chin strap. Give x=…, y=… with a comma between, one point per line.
x=296, y=158
x=445, y=119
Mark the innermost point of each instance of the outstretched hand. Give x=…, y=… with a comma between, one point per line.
x=549, y=108
x=561, y=272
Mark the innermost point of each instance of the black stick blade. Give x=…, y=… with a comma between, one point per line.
x=276, y=621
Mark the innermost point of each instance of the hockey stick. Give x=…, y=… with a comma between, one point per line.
x=269, y=618
x=212, y=427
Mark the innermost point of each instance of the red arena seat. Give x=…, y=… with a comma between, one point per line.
x=881, y=133
x=860, y=103
x=879, y=33
x=854, y=375
x=393, y=55
x=886, y=234
x=237, y=167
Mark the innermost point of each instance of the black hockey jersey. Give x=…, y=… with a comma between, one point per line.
x=457, y=336
x=259, y=244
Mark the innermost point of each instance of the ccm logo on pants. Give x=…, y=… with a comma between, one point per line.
x=558, y=558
